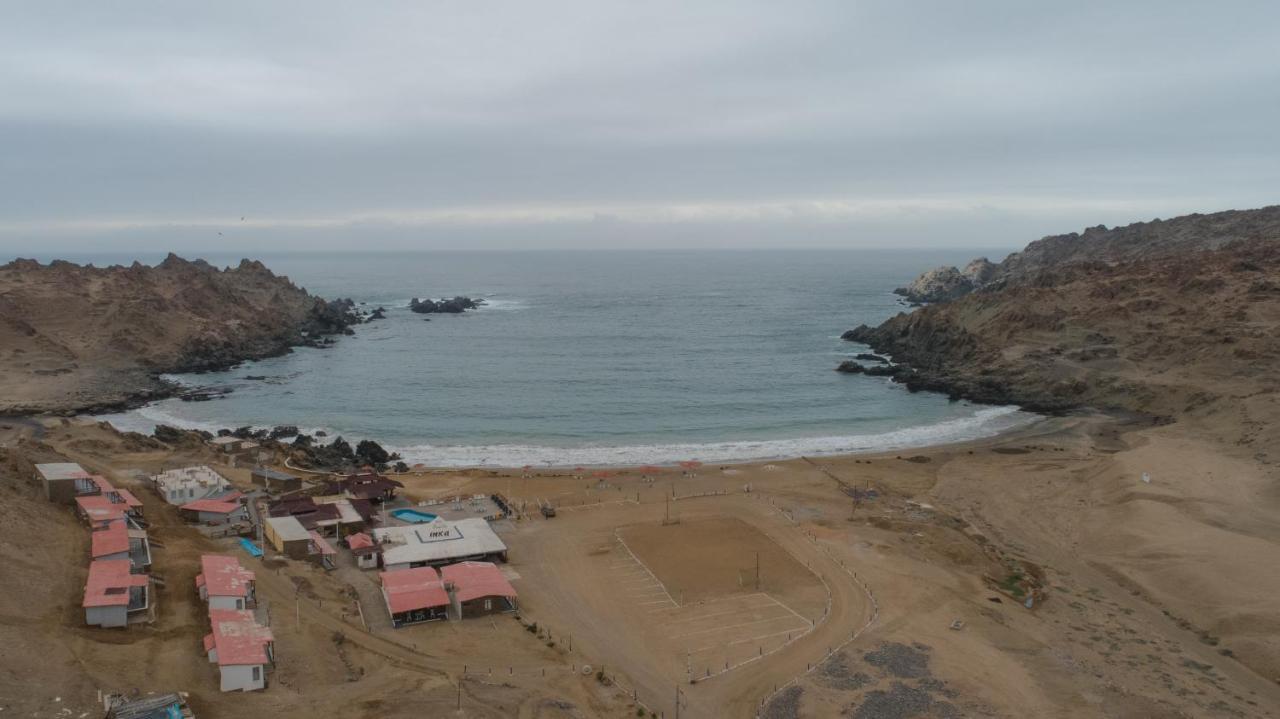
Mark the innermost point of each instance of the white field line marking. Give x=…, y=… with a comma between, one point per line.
x=789, y=609
x=743, y=641
x=682, y=631
x=735, y=626
x=642, y=564
x=660, y=601
x=875, y=612
x=739, y=610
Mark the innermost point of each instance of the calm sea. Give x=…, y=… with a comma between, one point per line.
x=595, y=358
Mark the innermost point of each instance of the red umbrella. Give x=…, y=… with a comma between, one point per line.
x=650, y=469
x=691, y=464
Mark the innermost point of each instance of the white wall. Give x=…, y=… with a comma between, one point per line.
x=226, y=602
x=240, y=678
x=106, y=616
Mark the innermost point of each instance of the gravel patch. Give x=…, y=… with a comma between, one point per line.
x=836, y=673
x=900, y=660
x=902, y=702
x=786, y=705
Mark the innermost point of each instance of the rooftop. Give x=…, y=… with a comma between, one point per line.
x=408, y=589
x=224, y=577
x=238, y=638
x=100, y=508
x=438, y=541
x=475, y=580
x=109, y=583
x=289, y=529
x=111, y=539
x=53, y=471
x=214, y=506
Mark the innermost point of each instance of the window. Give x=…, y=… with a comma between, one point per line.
x=239, y=604
x=488, y=604
x=257, y=674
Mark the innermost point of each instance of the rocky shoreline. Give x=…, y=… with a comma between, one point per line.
x=88, y=339
x=1151, y=318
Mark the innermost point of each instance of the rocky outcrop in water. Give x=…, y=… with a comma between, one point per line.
x=453, y=306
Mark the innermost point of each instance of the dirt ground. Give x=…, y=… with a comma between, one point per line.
x=1148, y=599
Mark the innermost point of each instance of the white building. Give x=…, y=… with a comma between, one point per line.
x=243, y=649
x=180, y=486
x=224, y=584
x=438, y=542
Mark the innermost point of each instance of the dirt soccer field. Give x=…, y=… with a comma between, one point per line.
x=676, y=605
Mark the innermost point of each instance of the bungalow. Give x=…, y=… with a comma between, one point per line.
x=243, y=649
x=368, y=486
x=414, y=595
x=64, y=481
x=364, y=550
x=336, y=516
x=479, y=588
x=438, y=542
x=179, y=486
x=121, y=539
x=273, y=481
x=320, y=551
x=224, y=584
x=98, y=510
x=226, y=509
x=112, y=592
x=288, y=536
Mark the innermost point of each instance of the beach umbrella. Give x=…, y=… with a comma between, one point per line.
x=691, y=465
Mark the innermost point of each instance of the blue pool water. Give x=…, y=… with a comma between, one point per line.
x=412, y=515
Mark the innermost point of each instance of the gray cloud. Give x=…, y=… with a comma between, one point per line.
x=627, y=124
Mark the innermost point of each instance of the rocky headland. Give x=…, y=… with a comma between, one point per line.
x=84, y=338
x=1171, y=317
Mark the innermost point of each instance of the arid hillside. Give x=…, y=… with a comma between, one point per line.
x=1180, y=334
x=80, y=337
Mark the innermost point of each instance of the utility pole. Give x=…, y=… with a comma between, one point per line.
x=677, y=701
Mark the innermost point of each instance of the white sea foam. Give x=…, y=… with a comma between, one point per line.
x=985, y=422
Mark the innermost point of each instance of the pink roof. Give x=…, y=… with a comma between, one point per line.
x=410, y=589
x=101, y=483
x=322, y=545
x=130, y=501
x=111, y=539
x=109, y=582
x=359, y=540
x=234, y=495
x=208, y=643
x=214, y=506
x=99, y=508
x=475, y=580
x=238, y=638
x=224, y=577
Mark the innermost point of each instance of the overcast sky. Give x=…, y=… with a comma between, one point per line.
x=143, y=126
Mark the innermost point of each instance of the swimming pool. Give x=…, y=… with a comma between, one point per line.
x=412, y=515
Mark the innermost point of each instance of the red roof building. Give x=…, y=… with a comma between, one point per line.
x=238, y=639
x=414, y=595
x=223, y=583
x=212, y=506
x=109, y=583
x=112, y=538
x=477, y=580
x=98, y=509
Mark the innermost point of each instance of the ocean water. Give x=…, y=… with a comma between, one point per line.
x=595, y=358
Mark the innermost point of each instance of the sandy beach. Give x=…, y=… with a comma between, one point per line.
x=1151, y=599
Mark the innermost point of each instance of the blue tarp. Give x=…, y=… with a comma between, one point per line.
x=250, y=547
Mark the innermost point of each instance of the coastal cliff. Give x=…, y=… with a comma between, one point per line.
x=1171, y=318
x=82, y=338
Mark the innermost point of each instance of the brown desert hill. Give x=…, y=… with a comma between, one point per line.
x=1170, y=328
x=1130, y=243
x=78, y=337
